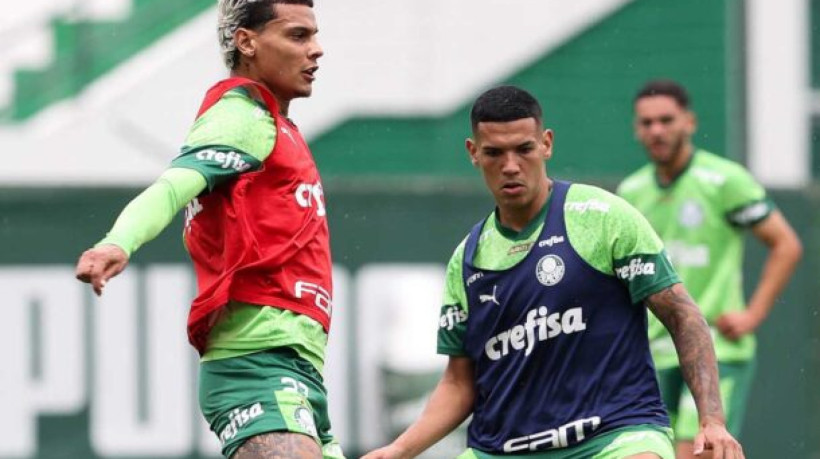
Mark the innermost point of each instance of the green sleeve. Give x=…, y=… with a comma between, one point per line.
x=616, y=239
x=234, y=136
x=639, y=259
x=153, y=209
x=453, y=319
x=744, y=200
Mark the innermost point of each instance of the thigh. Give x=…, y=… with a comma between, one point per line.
x=671, y=385
x=735, y=385
x=640, y=442
x=273, y=391
x=636, y=442
x=284, y=445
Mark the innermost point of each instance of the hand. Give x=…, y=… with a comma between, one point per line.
x=734, y=325
x=714, y=436
x=387, y=452
x=99, y=264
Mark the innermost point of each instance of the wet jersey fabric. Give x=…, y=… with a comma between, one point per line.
x=243, y=232
x=558, y=338
x=701, y=216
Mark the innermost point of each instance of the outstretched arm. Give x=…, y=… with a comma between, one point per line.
x=674, y=307
x=449, y=405
x=139, y=222
x=785, y=251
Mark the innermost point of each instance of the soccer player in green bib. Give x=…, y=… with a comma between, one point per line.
x=700, y=204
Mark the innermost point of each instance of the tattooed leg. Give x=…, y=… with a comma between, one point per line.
x=279, y=445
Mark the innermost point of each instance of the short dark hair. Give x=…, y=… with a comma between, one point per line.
x=504, y=103
x=247, y=14
x=662, y=87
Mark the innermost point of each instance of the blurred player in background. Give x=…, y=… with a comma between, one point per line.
x=699, y=204
x=256, y=231
x=544, y=320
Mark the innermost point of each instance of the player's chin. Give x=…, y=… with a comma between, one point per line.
x=304, y=90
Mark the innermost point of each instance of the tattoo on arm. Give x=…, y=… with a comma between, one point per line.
x=279, y=445
x=675, y=308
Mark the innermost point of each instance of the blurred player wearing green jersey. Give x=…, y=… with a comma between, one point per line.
x=700, y=203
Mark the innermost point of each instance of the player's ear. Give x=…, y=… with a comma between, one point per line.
x=472, y=150
x=548, y=138
x=245, y=41
x=691, y=122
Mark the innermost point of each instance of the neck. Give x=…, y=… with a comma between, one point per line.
x=284, y=104
x=669, y=171
x=517, y=218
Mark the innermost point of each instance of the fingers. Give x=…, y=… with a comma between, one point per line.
x=96, y=266
x=721, y=444
x=717, y=451
x=698, y=444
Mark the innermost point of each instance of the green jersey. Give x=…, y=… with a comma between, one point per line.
x=700, y=217
x=605, y=231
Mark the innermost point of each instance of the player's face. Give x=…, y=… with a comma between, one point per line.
x=663, y=127
x=511, y=156
x=286, y=52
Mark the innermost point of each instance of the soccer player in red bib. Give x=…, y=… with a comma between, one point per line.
x=256, y=231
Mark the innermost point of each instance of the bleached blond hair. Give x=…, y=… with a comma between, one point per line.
x=250, y=14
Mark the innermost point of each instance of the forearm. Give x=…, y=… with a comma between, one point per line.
x=693, y=342
x=153, y=209
x=449, y=405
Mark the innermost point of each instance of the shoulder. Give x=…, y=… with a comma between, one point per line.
x=637, y=181
x=458, y=254
x=592, y=202
x=594, y=213
x=237, y=105
x=238, y=121
x=711, y=169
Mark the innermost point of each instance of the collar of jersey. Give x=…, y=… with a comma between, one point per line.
x=532, y=226
x=683, y=171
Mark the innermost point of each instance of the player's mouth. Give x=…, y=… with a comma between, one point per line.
x=309, y=73
x=512, y=188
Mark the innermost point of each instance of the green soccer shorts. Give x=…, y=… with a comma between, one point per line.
x=616, y=444
x=269, y=391
x=735, y=385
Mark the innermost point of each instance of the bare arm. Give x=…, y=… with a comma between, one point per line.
x=449, y=405
x=785, y=251
x=680, y=315
x=674, y=307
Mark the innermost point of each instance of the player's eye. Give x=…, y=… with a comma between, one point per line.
x=526, y=148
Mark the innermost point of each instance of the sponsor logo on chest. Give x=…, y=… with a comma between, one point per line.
x=538, y=327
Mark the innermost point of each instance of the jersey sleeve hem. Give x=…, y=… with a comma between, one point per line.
x=446, y=350
x=642, y=294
